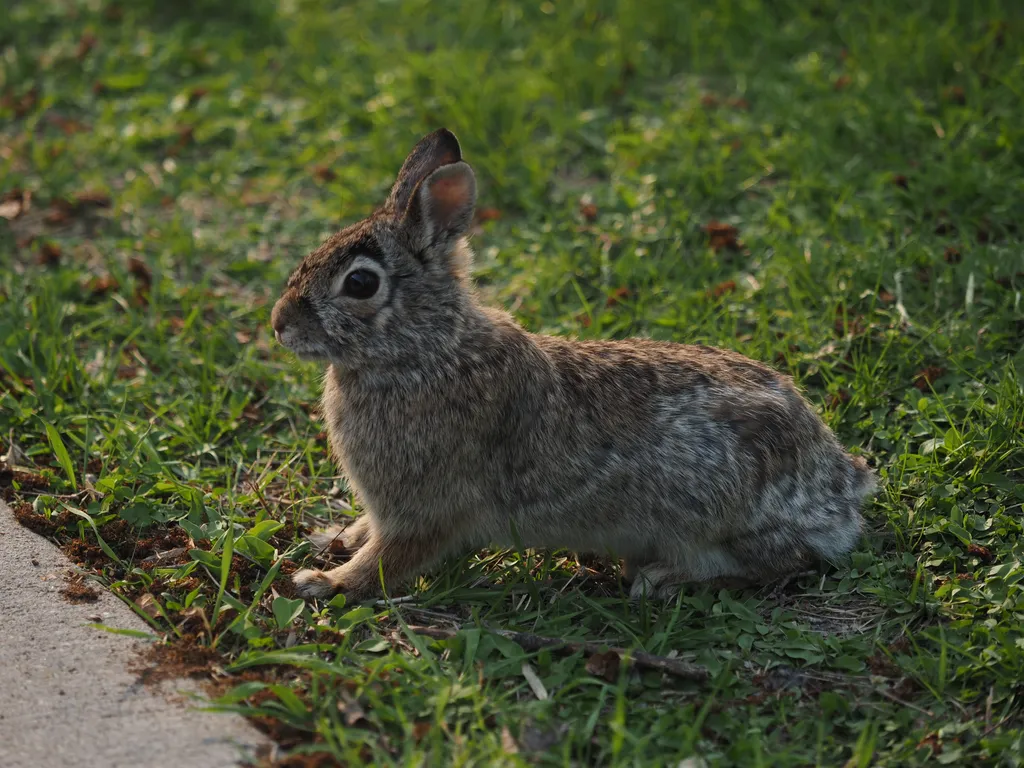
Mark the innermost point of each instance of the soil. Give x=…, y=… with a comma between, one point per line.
x=187, y=657
x=77, y=591
x=27, y=481
x=40, y=524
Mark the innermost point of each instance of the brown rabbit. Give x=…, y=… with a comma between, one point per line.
x=458, y=429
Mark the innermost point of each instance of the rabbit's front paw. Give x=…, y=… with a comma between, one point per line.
x=312, y=582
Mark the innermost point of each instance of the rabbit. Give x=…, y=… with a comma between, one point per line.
x=458, y=429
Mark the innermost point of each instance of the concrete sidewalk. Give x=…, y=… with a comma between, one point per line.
x=67, y=699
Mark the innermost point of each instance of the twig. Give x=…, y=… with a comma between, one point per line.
x=531, y=642
x=896, y=699
x=397, y=600
x=995, y=726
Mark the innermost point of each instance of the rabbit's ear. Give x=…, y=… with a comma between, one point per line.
x=433, y=151
x=441, y=209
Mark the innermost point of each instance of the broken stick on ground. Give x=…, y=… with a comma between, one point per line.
x=676, y=667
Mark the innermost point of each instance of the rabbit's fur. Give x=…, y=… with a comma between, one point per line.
x=458, y=429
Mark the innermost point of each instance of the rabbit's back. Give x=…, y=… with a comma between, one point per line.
x=645, y=444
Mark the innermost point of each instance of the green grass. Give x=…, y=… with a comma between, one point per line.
x=871, y=156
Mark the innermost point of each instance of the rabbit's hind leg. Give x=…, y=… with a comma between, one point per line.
x=766, y=556
x=662, y=580
x=338, y=539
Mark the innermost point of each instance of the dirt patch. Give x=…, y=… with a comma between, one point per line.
x=77, y=591
x=121, y=537
x=186, y=657
x=85, y=554
x=162, y=541
x=318, y=760
x=26, y=481
x=41, y=524
x=285, y=735
x=852, y=616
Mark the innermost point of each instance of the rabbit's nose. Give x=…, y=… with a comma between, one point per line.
x=277, y=321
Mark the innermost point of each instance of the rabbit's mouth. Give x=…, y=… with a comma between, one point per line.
x=301, y=348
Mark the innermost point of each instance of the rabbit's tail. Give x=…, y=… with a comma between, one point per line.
x=865, y=481
x=842, y=511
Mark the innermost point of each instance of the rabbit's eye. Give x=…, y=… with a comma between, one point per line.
x=361, y=284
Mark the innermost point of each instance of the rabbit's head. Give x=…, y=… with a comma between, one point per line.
x=392, y=288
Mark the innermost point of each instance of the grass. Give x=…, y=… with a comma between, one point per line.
x=864, y=163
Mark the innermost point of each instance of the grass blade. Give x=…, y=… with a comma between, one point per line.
x=61, y=452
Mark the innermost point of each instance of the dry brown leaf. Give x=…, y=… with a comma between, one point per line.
x=722, y=236
x=982, y=553
x=15, y=457
x=94, y=197
x=618, y=295
x=931, y=741
x=841, y=82
x=127, y=372
x=837, y=399
x=324, y=173
x=351, y=710
x=59, y=212
x=508, y=743
x=85, y=44
x=23, y=104
x=138, y=269
x=67, y=125
x=10, y=209
x=722, y=288
x=588, y=210
x=1007, y=282
x=924, y=378
x=49, y=255
x=420, y=729
x=100, y=286
x=604, y=665
x=193, y=618
x=955, y=94
x=14, y=203
x=148, y=605
x=848, y=324
x=186, y=135
x=487, y=214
